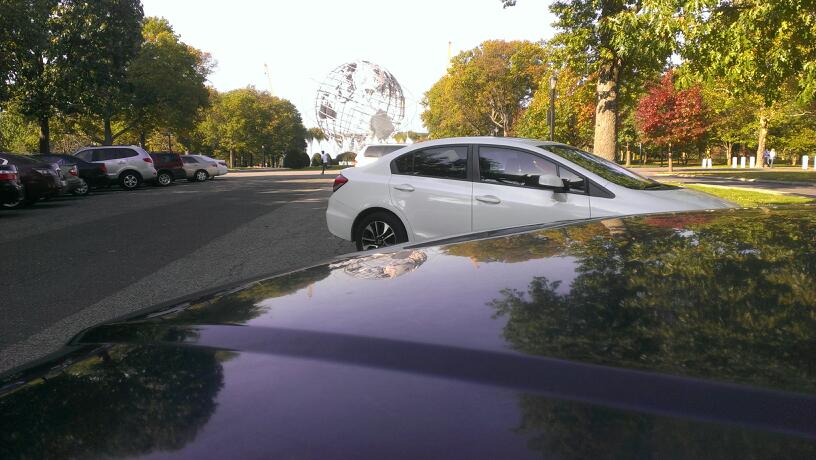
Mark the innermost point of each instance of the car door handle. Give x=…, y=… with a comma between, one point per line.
x=404, y=187
x=489, y=199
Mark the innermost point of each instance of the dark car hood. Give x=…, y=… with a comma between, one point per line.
x=677, y=335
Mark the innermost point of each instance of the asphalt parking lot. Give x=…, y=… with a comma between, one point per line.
x=70, y=262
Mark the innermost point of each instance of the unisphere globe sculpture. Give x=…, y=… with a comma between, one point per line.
x=358, y=101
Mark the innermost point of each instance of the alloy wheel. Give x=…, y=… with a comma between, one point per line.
x=82, y=189
x=378, y=234
x=130, y=181
x=201, y=176
x=164, y=179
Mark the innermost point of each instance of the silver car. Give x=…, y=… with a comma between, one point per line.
x=199, y=168
x=129, y=165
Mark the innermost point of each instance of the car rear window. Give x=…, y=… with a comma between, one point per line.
x=442, y=162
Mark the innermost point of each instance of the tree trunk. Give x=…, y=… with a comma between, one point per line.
x=628, y=156
x=232, y=159
x=763, y=135
x=729, y=149
x=606, y=112
x=142, y=139
x=108, y=133
x=671, y=166
x=45, y=135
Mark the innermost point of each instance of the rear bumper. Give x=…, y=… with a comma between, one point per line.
x=10, y=192
x=339, y=219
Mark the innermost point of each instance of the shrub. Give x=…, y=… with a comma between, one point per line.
x=295, y=159
x=316, y=160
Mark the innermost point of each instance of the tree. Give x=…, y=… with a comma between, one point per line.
x=295, y=159
x=99, y=40
x=167, y=80
x=733, y=119
x=757, y=47
x=622, y=43
x=484, y=90
x=667, y=116
x=574, y=107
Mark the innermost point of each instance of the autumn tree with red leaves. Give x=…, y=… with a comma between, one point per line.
x=667, y=116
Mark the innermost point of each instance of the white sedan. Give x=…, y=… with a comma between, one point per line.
x=456, y=186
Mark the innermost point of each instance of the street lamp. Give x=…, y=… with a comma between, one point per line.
x=551, y=118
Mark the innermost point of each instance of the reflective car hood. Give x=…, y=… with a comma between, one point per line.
x=679, y=335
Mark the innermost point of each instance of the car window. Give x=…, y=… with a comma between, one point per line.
x=499, y=165
x=442, y=162
x=604, y=168
x=576, y=182
x=187, y=159
x=86, y=155
x=121, y=153
x=101, y=155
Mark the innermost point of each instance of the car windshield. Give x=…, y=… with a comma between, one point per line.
x=606, y=169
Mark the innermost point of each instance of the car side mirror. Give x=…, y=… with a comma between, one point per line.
x=554, y=183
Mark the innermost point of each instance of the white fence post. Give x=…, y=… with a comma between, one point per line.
x=804, y=161
x=752, y=162
x=734, y=162
x=742, y=162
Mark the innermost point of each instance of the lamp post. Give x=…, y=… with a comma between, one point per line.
x=551, y=118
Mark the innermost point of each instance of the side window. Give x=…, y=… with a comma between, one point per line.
x=576, y=182
x=189, y=160
x=513, y=167
x=120, y=153
x=442, y=162
x=102, y=154
x=86, y=155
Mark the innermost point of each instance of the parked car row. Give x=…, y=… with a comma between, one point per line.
x=25, y=179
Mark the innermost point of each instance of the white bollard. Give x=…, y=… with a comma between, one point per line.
x=742, y=162
x=734, y=162
x=709, y=164
x=804, y=161
x=752, y=163
x=705, y=162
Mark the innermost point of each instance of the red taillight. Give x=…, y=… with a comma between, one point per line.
x=147, y=160
x=103, y=168
x=73, y=171
x=8, y=175
x=339, y=181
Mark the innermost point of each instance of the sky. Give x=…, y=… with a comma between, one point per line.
x=301, y=41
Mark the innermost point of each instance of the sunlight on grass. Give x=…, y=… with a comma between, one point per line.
x=748, y=198
x=785, y=176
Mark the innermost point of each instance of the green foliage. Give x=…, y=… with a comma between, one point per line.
x=295, y=159
x=317, y=160
x=484, y=89
x=167, y=79
x=17, y=134
x=249, y=121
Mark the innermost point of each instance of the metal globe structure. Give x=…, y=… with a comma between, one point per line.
x=358, y=101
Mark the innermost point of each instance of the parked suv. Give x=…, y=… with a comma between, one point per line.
x=129, y=165
x=39, y=180
x=169, y=167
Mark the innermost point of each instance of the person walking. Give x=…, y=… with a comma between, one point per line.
x=324, y=157
x=771, y=157
x=766, y=157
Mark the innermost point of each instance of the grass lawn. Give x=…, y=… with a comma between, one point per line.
x=787, y=175
x=748, y=198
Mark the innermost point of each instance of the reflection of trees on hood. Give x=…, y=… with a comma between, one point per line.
x=728, y=298
x=245, y=305
x=124, y=401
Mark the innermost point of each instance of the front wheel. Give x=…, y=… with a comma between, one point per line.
x=379, y=230
x=130, y=180
x=201, y=175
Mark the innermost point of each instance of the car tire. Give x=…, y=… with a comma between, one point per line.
x=201, y=175
x=130, y=180
x=378, y=230
x=82, y=190
x=164, y=179
x=21, y=203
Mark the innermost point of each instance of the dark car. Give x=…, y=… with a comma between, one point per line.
x=661, y=336
x=11, y=189
x=94, y=174
x=168, y=167
x=39, y=179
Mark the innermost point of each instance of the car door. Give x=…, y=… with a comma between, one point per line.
x=432, y=190
x=108, y=157
x=508, y=190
